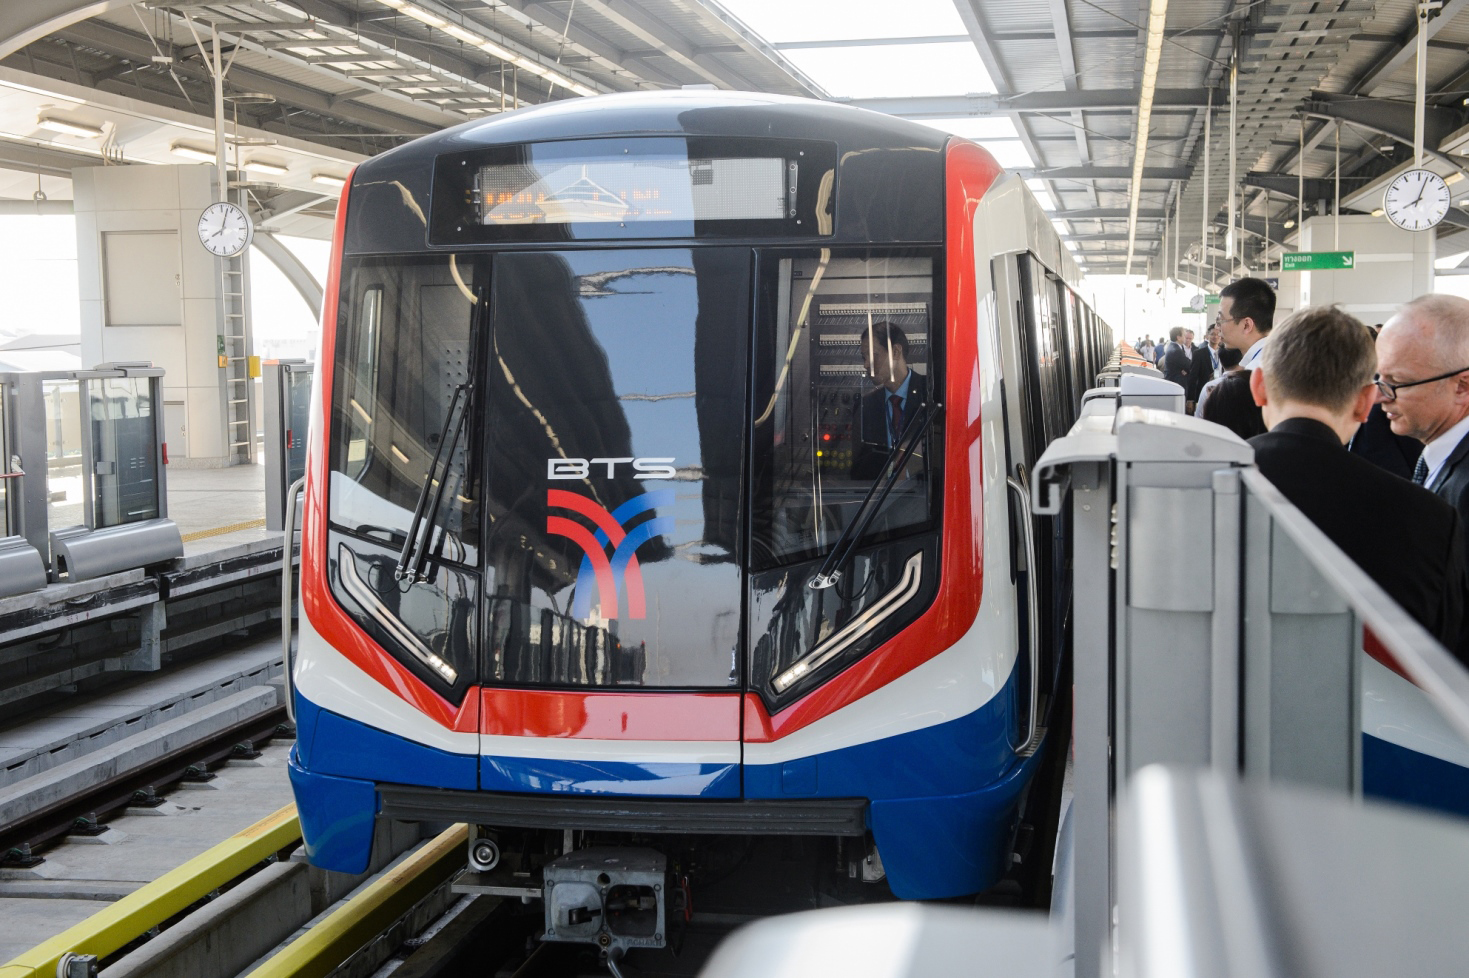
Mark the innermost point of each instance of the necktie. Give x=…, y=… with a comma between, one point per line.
x=895, y=418
x=1420, y=472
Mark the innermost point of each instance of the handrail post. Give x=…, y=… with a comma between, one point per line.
x=288, y=590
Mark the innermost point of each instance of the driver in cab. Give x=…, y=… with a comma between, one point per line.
x=885, y=412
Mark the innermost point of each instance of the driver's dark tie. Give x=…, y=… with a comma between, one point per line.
x=895, y=419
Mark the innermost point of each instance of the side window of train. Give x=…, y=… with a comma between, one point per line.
x=403, y=350
x=847, y=379
x=358, y=421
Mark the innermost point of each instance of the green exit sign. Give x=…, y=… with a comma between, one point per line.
x=1315, y=261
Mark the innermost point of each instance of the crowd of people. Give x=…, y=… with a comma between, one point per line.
x=1349, y=420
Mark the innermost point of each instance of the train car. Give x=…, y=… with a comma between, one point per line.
x=665, y=488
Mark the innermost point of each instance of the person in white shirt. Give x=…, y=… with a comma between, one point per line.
x=1246, y=316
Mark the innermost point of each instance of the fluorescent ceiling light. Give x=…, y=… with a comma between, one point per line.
x=1378, y=213
x=328, y=179
x=1454, y=177
x=1157, y=15
x=468, y=37
x=266, y=166
x=423, y=16
x=189, y=151
x=69, y=126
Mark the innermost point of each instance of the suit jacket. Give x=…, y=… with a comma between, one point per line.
x=1407, y=540
x=870, y=425
x=1176, y=365
x=1452, y=482
x=1200, y=373
x=1376, y=443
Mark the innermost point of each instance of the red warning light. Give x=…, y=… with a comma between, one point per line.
x=826, y=436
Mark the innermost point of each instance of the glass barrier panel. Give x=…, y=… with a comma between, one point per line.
x=298, y=422
x=6, y=470
x=124, y=451
x=65, y=492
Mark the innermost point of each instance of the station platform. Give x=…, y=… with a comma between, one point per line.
x=217, y=509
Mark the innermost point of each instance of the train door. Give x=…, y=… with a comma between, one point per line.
x=614, y=426
x=1038, y=404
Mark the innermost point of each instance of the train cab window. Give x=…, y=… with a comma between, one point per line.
x=404, y=348
x=846, y=405
x=845, y=338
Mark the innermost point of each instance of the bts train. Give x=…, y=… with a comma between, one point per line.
x=665, y=492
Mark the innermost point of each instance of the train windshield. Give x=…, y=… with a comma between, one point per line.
x=658, y=438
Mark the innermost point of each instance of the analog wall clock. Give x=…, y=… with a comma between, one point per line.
x=1416, y=200
x=225, y=230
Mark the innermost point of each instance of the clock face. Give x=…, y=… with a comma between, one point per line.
x=225, y=230
x=1416, y=200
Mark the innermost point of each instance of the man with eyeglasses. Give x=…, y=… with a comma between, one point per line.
x=1246, y=315
x=1423, y=386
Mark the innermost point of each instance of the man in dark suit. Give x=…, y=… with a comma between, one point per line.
x=1314, y=386
x=1175, y=364
x=885, y=412
x=1423, y=386
x=1205, y=368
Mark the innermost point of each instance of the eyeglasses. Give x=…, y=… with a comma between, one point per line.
x=1220, y=319
x=1390, y=391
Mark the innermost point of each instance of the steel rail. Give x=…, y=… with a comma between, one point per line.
x=120, y=923
x=49, y=823
x=374, y=908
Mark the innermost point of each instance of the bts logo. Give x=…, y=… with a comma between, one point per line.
x=581, y=468
x=617, y=569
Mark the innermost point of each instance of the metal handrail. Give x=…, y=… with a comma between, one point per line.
x=1033, y=605
x=288, y=545
x=1427, y=663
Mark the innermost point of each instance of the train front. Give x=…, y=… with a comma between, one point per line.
x=654, y=478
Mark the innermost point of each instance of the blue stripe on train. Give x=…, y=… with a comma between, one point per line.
x=945, y=799
x=666, y=780
x=1399, y=774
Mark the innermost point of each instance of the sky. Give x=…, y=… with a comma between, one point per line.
x=889, y=70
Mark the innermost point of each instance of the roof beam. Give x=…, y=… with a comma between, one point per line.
x=651, y=31
x=1316, y=188
x=25, y=23
x=1406, y=46
x=121, y=43
x=1061, y=17
x=45, y=160
x=870, y=42
x=1386, y=117
x=1105, y=173
x=1092, y=100
x=1109, y=213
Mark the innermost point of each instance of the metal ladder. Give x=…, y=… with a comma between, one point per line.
x=239, y=389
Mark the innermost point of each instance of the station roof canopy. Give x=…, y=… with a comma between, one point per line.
x=1054, y=88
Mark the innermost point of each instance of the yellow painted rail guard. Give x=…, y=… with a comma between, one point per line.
x=148, y=906
x=369, y=912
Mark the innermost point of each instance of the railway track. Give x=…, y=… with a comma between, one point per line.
x=24, y=840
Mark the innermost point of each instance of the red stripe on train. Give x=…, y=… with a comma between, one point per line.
x=610, y=716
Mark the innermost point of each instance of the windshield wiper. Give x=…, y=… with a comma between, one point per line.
x=414, y=558
x=831, y=569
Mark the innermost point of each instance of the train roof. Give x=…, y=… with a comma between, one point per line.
x=673, y=113
x=889, y=186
